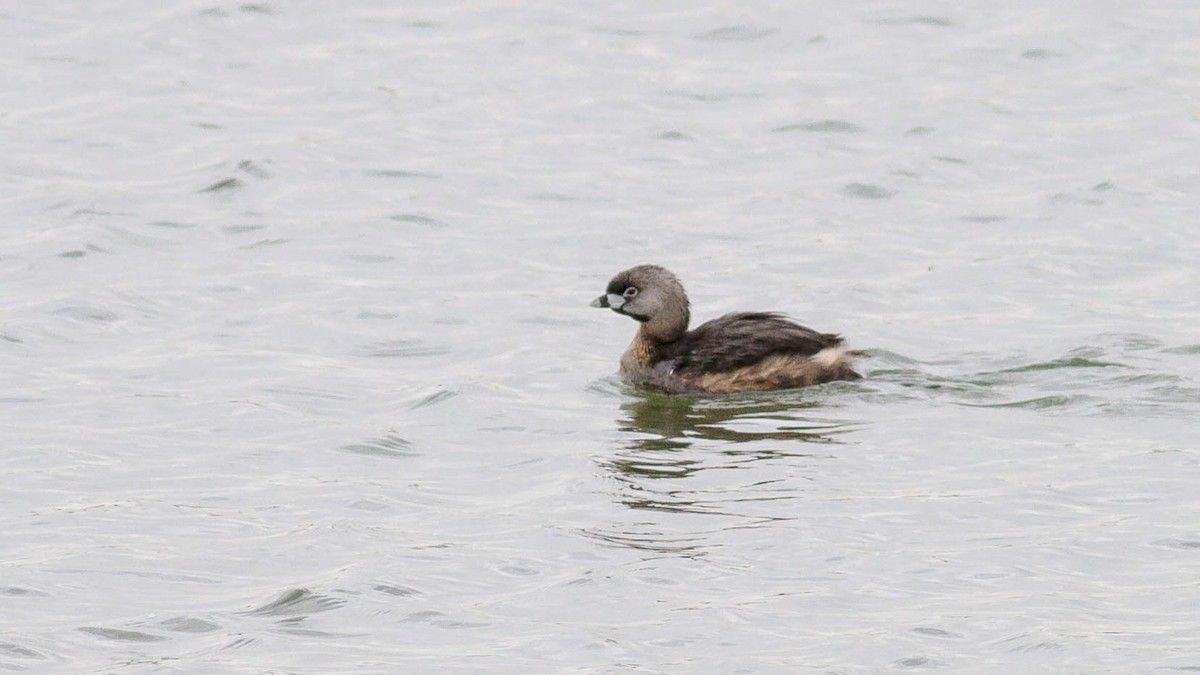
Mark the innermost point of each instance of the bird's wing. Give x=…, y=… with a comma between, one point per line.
x=742, y=339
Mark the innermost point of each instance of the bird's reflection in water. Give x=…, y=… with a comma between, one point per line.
x=676, y=421
x=691, y=467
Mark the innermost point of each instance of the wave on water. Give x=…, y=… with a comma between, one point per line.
x=1111, y=374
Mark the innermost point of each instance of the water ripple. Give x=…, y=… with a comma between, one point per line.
x=1112, y=374
x=188, y=624
x=823, y=127
x=121, y=635
x=297, y=602
x=736, y=34
x=401, y=348
x=867, y=191
x=388, y=445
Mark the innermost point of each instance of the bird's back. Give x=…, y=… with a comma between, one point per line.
x=757, y=351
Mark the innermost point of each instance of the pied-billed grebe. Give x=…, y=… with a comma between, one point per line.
x=746, y=351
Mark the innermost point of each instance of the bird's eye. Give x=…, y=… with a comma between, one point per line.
x=630, y=292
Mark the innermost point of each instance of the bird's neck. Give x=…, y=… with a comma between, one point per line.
x=664, y=328
x=650, y=344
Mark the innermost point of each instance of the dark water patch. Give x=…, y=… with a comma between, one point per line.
x=372, y=259
x=822, y=127
x=621, y=32
x=400, y=348
x=293, y=627
x=169, y=576
x=240, y=642
x=423, y=616
x=305, y=392
x=1064, y=362
x=886, y=358
x=95, y=212
x=736, y=34
x=1074, y=199
x=264, y=243
x=919, y=131
x=1185, y=349
x=388, y=445
x=934, y=21
x=20, y=651
x=224, y=186
x=369, y=315
x=611, y=386
x=673, y=135
x=517, y=571
x=653, y=541
x=400, y=173
x=1039, y=403
x=125, y=236
x=1166, y=383
x=396, y=590
x=918, y=663
x=867, y=191
x=552, y=197
x=551, y=321
x=711, y=97
x=431, y=399
x=297, y=602
x=936, y=632
x=18, y=591
x=121, y=635
x=170, y=224
x=419, y=219
x=188, y=624
x=241, y=229
x=949, y=160
x=83, y=252
x=256, y=8
x=1131, y=342
x=88, y=314
x=1101, y=349
x=1180, y=544
x=1041, y=54
x=1034, y=645
x=436, y=618
x=253, y=169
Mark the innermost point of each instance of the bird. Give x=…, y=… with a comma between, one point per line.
x=738, y=352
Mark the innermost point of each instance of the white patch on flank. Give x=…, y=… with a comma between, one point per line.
x=829, y=356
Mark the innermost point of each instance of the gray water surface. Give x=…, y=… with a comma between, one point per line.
x=299, y=374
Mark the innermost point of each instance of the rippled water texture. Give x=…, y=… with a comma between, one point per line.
x=300, y=376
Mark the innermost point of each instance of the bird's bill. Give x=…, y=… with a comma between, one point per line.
x=609, y=300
